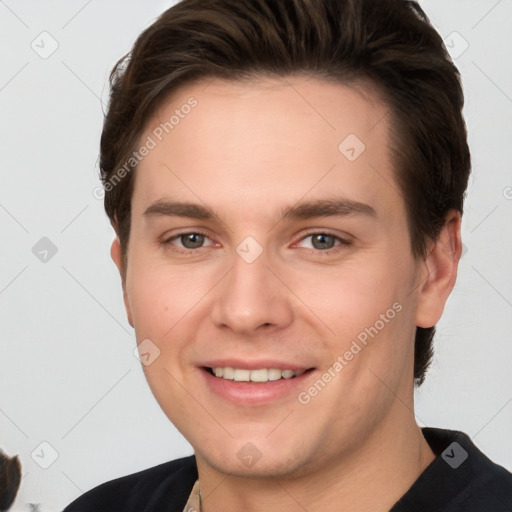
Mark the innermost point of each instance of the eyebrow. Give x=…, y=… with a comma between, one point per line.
x=328, y=207
x=179, y=209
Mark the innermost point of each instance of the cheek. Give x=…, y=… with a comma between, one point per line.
x=352, y=296
x=167, y=305
x=367, y=316
x=161, y=297
x=163, y=305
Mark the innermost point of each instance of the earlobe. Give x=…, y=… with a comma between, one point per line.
x=439, y=272
x=117, y=257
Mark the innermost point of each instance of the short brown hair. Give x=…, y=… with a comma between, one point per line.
x=390, y=43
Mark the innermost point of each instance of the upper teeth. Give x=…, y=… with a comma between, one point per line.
x=259, y=375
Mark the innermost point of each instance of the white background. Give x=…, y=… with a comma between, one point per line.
x=68, y=374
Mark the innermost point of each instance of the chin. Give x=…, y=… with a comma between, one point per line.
x=255, y=459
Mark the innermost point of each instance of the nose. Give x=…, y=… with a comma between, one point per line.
x=251, y=297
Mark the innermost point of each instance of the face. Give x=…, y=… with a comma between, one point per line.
x=268, y=233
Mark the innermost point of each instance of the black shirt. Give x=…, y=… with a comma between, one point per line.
x=460, y=479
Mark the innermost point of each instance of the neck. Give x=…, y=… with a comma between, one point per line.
x=371, y=477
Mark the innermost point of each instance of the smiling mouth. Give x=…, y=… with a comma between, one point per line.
x=260, y=375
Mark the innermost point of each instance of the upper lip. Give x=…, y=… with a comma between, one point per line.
x=254, y=365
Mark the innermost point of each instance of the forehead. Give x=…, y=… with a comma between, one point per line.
x=257, y=144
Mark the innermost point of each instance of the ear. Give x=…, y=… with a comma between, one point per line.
x=117, y=257
x=439, y=272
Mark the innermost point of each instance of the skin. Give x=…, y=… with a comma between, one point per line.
x=248, y=150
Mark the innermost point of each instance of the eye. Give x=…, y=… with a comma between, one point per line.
x=320, y=242
x=192, y=240
x=324, y=242
x=187, y=242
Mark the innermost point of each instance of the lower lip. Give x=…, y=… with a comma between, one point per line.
x=255, y=393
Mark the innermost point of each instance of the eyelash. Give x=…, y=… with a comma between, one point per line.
x=189, y=252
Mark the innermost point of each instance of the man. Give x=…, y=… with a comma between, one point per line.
x=286, y=182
